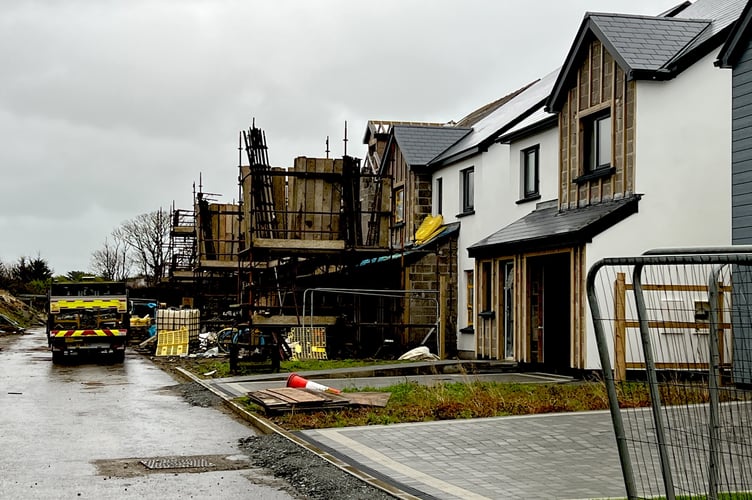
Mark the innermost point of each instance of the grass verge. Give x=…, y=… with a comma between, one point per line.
x=411, y=402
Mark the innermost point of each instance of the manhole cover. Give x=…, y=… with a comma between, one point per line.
x=182, y=464
x=176, y=463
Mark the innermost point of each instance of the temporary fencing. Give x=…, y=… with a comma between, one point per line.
x=679, y=322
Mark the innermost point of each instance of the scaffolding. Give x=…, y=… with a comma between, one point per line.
x=301, y=227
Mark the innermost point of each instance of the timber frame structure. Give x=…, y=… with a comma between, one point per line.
x=304, y=230
x=204, y=244
x=310, y=248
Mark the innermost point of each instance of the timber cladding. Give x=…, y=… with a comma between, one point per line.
x=601, y=87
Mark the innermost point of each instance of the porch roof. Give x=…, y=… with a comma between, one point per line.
x=547, y=227
x=446, y=231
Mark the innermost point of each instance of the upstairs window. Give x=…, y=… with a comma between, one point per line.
x=467, y=181
x=530, y=178
x=597, y=146
x=399, y=205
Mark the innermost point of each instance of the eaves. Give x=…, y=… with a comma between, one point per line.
x=546, y=123
x=484, y=144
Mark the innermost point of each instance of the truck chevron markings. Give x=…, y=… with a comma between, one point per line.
x=56, y=305
x=88, y=333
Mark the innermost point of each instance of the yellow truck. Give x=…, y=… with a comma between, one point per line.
x=90, y=316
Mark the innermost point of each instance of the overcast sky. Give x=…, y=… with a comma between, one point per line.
x=111, y=109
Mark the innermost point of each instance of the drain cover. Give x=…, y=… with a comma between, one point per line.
x=177, y=463
x=174, y=464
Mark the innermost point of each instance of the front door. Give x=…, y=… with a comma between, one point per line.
x=535, y=323
x=488, y=335
x=506, y=274
x=549, y=331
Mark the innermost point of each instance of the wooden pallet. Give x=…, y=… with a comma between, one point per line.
x=286, y=399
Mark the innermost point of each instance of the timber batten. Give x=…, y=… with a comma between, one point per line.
x=601, y=85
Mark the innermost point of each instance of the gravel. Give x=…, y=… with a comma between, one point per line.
x=309, y=476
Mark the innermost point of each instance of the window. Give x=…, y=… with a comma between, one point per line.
x=530, y=172
x=439, y=196
x=468, y=198
x=399, y=205
x=470, y=297
x=487, y=286
x=597, y=147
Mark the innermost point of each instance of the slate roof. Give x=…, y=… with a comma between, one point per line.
x=540, y=118
x=645, y=43
x=650, y=47
x=487, y=130
x=475, y=116
x=547, y=227
x=420, y=145
x=721, y=13
x=384, y=127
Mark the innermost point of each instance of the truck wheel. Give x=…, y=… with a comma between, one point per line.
x=58, y=357
x=118, y=356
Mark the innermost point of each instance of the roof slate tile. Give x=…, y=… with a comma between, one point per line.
x=420, y=145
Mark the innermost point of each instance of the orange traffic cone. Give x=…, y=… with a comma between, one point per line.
x=298, y=382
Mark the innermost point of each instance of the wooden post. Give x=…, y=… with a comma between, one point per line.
x=620, y=328
x=441, y=334
x=721, y=340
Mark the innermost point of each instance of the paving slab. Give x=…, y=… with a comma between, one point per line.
x=553, y=456
x=550, y=456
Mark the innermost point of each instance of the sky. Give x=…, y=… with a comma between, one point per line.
x=114, y=108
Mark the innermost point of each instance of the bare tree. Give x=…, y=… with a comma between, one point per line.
x=147, y=238
x=112, y=261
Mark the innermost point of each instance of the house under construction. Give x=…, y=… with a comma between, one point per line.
x=306, y=251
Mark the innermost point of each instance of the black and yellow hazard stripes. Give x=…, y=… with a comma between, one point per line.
x=58, y=305
x=89, y=333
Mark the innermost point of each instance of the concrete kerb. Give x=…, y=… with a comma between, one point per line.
x=267, y=427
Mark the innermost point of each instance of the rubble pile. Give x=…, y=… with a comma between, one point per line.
x=309, y=474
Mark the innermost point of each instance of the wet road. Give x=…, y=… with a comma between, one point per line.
x=82, y=431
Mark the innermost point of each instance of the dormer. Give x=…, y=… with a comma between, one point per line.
x=596, y=92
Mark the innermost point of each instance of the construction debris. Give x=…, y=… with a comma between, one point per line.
x=287, y=399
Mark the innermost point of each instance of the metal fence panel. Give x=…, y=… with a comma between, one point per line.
x=679, y=326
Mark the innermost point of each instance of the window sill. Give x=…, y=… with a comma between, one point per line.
x=398, y=225
x=528, y=198
x=465, y=214
x=468, y=330
x=598, y=174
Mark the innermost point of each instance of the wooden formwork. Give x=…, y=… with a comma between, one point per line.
x=314, y=199
x=218, y=229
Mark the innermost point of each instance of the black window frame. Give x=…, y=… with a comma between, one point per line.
x=467, y=190
x=526, y=171
x=593, y=142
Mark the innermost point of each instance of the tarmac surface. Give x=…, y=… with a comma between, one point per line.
x=550, y=456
